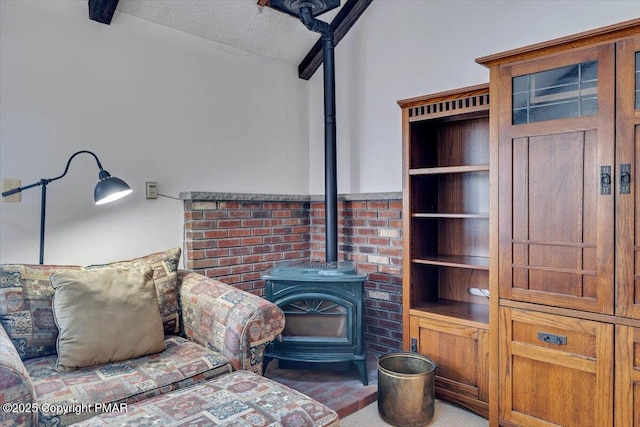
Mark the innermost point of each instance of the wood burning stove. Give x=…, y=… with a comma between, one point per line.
x=323, y=307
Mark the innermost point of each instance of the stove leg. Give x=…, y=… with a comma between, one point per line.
x=362, y=368
x=265, y=363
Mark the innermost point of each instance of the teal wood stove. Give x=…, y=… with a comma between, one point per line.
x=324, y=311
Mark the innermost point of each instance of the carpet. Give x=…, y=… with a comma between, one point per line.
x=446, y=415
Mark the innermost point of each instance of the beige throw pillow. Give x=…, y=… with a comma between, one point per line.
x=105, y=315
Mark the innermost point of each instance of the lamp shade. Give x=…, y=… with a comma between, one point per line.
x=110, y=189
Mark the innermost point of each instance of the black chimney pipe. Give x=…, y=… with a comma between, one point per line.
x=330, y=180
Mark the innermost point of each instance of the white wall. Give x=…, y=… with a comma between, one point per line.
x=399, y=49
x=154, y=104
x=159, y=105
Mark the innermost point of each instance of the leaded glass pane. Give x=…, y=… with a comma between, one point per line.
x=570, y=91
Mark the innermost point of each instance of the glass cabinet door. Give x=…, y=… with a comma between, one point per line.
x=627, y=161
x=556, y=213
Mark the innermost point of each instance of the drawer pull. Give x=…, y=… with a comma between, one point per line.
x=552, y=339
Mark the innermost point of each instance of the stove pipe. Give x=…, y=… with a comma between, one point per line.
x=306, y=10
x=330, y=180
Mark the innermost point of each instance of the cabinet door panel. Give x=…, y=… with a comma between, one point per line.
x=461, y=353
x=628, y=152
x=542, y=379
x=627, y=376
x=556, y=226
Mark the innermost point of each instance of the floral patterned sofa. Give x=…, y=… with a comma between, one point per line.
x=210, y=329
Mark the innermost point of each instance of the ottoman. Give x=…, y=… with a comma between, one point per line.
x=240, y=398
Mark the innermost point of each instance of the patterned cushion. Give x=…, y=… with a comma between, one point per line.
x=239, y=399
x=182, y=364
x=25, y=308
x=238, y=324
x=15, y=384
x=165, y=276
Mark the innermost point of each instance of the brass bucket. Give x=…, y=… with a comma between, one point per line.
x=406, y=388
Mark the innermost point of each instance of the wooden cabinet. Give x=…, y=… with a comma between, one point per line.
x=566, y=290
x=446, y=244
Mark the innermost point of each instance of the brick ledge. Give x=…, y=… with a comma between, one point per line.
x=190, y=196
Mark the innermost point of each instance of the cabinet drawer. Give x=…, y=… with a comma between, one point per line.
x=545, y=359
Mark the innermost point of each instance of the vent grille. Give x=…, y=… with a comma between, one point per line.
x=444, y=108
x=316, y=265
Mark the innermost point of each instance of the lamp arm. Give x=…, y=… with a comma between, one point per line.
x=26, y=187
x=66, y=169
x=44, y=181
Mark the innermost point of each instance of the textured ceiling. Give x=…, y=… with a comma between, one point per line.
x=238, y=23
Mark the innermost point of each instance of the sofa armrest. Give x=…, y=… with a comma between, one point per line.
x=234, y=322
x=16, y=388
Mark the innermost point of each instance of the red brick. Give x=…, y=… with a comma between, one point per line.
x=252, y=205
x=357, y=205
x=366, y=231
x=226, y=243
x=239, y=232
x=378, y=205
x=251, y=276
x=215, y=214
x=378, y=241
x=393, y=252
x=197, y=254
x=282, y=214
x=260, y=231
x=229, y=261
x=216, y=272
x=272, y=239
x=367, y=214
x=240, y=250
x=193, y=235
x=238, y=269
x=215, y=253
x=192, y=215
x=215, y=234
x=252, y=222
x=272, y=205
x=229, y=223
x=239, y=214
x=250, y=259
x=251, y=241
x=231, y=280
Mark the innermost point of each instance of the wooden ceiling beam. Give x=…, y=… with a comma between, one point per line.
x=102, y=10
x=344, y=20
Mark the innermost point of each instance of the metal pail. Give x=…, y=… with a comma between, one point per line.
x=406, y=387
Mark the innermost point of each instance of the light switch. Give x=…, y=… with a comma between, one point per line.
x=152, y=190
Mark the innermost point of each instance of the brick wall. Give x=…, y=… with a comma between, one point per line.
x=235, y=237
x=234, y=241
x=370, y=234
